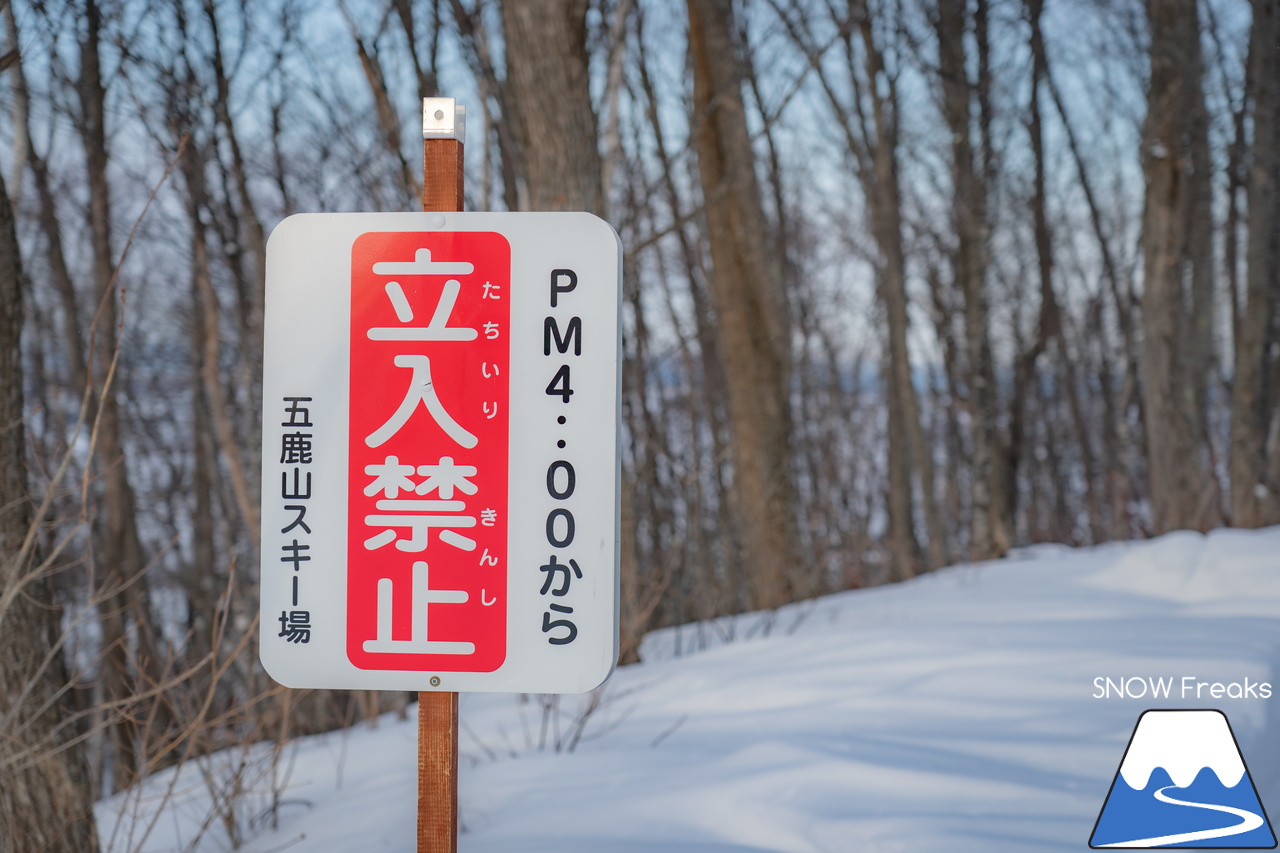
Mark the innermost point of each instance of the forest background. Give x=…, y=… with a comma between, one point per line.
x=906, y=282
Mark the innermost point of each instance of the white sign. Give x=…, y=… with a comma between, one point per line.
x=440, y=467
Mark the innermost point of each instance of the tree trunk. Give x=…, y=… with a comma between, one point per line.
x=710, y=369
x=1118, y=440
x=908, y=450
x=1173, y=364
x=1255, y=460
x=989, y=530
x=250, y=273
x=119, y=553
x=754, y=327
x=388, y=121
x=425, y=74
x=548, y=94
x=45, y=801
x=872, y=140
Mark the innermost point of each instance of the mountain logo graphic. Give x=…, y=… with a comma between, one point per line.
x=1183, y=783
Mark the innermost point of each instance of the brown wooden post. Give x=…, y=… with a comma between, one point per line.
x=442, y=181
x=437, y=772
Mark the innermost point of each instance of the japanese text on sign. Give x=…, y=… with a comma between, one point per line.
x=428, y=451
x=295, y=455
x=561, y=343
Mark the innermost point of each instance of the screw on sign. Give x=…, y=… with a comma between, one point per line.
x=428, y=452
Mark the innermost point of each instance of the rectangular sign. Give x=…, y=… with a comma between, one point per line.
x=442, y=390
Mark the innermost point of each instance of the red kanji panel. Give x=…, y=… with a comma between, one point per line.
x=429, y=428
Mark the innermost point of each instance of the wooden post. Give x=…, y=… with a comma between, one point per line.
x=437, y=772
x=442, y=181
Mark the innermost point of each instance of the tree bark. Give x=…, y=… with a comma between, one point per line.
x=1254, y=456
x=120, y=554
x=45, y=801
x=548, y=96
x=989, y=533
x=249, y=269
x=751, y=309
x=1173, y=352
x=909, y=452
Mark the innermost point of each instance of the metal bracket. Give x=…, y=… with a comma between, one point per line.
x=443, y=118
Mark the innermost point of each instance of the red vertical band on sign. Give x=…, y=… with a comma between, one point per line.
x=428, y=451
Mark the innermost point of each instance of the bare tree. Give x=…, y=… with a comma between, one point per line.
x=753, y=322
x=1119, y=384
x=45, y=801
x=122, y=562
x=1175, y=352
x=971, y=173
x=867, y=108
x=389, y=124
x=1050, y=331
x=548, y=100
x=1255, y=425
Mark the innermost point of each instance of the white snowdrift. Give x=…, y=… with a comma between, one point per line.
x=952, y=713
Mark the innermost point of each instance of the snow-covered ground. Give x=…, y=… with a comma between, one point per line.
x=954, y=713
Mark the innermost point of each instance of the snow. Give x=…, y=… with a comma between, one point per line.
x=955, y=712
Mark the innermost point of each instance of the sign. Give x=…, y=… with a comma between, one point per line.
x=440, y=465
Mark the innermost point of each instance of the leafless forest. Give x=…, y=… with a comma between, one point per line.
x=907, y=282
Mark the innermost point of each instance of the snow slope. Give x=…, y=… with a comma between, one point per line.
x=952, y=713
